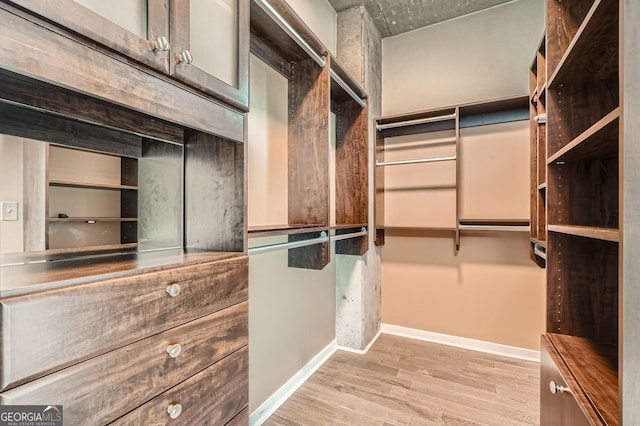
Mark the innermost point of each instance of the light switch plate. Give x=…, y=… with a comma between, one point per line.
x=9, y=210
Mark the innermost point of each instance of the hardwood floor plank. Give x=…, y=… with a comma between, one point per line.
x=403, y=382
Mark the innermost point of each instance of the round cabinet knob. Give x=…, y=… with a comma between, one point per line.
x=173, y=290
x=185, y=57
x=161, y=43
x=174, y=350
x=554, y=388
x=174, y=410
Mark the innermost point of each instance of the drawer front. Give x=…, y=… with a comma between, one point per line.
x=560, y=408
x=104, y=388
x=46, y=331
x=212, y=397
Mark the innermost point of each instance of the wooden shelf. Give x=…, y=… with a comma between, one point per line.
x=348, y=226
x=595, y=370
x=92, y=219
x=605, y=234
x=338, y=93
x=542, y=243
x=600, y=141
x=275, y=230
x=593, y=52
x=78, y=184
x=276, y=38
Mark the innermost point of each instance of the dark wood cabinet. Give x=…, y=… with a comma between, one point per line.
x=158, y=33
x=582, y=171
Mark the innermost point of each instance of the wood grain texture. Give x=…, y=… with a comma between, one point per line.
x=27, y=123
x=214, y=193
x=584, y=193
x=50, y=98
x=595, y=370
x=563, y=20
x=236, y=95
x=82, y=20
x=352, y=173
x=46, y=331
x=561, y=408
x=241, y=419
x=212, y=397
x=593, y=53
x=270, y=55
x=104, y=388
x=315, y=256
x=574, y=108
x=408, y=382
x=308, y=148
x=582, y=292
x=263, y=26
x=70, y=63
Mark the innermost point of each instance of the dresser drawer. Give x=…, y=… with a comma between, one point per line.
x=46, y=331
x=558, y=406
x=212, y=397
x=106, y=387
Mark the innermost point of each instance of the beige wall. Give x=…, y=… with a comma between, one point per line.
x=475, y=57
x=11, y=234
x=320, y=16
x=291, y=311
x=490, y=290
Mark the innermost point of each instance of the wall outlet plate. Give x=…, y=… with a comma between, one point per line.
x=9, y=210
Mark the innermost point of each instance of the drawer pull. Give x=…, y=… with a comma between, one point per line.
x=558, y=388
x=161, y=44
x=185, y=57
x=174, y=350
x=174, y=410
x=173, y=290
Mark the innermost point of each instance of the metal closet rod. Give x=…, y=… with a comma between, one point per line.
x=512, y=228
x=416, y=161
x=345, y=86
x=538, y=251
x=416, y=121
x=323, y=238
x=282, y=23
x=362, y=232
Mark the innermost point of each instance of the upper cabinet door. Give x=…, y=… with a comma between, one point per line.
x=136, y=28
x=210, y=47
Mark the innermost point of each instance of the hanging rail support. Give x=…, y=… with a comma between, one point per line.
x=348, y=89
x=419, y=160
x=323, y=238
x=361, y=233
x=539, y=251
x=416, y=121
x=282, y=23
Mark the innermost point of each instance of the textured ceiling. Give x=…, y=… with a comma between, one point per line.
x=393, y=17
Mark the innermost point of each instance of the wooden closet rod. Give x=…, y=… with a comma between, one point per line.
x=323, y=238
x=416, y=161
x=347, y=89
x=282, y=23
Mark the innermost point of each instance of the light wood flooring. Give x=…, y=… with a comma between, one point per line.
x=402, y=381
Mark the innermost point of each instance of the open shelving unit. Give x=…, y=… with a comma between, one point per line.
x=583, y=201
x=538, y=135
x=445, y=124
x=317, y=84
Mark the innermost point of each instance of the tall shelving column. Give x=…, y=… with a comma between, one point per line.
x=583, y=169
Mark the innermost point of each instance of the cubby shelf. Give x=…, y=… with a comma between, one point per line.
x=595, y=369
x=275, y=230
x=594, y=48
x=598, y=233
x=597, y=142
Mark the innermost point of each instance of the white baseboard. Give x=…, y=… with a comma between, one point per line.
x=362, y=351
x=462, y=342
x=262, y=413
